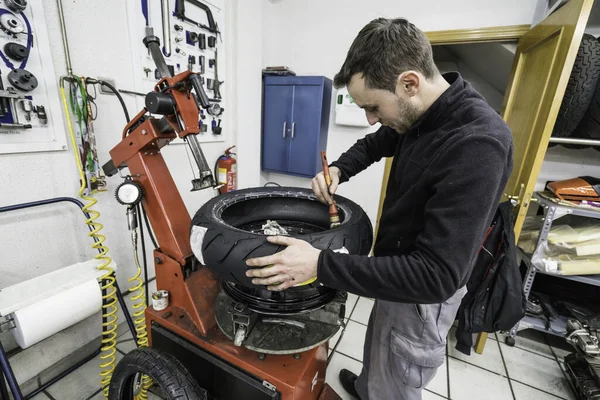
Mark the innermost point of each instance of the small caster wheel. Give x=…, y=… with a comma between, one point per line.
x=510, y=341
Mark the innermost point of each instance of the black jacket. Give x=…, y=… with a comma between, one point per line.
x=446, y=180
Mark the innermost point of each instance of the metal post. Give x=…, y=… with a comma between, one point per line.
x=63, y=30
x=3, y=388
x=10, y=376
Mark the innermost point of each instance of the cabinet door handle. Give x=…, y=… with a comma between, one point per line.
x=293, y=129
x=284, y=128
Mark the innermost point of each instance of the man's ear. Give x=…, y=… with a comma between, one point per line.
x=408, y=83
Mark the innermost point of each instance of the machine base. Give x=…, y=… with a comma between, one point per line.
x=286, y=334
x=229, y=372
x=220, y=379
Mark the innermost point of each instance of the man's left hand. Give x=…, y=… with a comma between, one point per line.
x=287, y=268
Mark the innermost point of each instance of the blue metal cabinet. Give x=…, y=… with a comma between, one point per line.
x=295, y=124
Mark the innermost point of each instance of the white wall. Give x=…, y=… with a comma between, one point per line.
x=312, y=37
x=43, y=240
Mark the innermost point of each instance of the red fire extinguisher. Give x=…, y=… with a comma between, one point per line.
x=226, y=171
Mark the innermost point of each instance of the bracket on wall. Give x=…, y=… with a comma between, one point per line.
x=180, y=13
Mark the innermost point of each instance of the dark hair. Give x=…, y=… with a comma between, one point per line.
x=384, y=49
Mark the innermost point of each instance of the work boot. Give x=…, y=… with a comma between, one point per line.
x=347, y=378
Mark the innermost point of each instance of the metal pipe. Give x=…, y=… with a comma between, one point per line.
x=10, y=376
x=63, y=374
x=585, y=142
x=3, y=388
x=63, y=30
x=166, y=27
x=197, y=152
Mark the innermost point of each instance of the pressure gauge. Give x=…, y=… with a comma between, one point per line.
x=129, y=192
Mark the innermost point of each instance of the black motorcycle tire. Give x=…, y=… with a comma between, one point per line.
x=226, y=247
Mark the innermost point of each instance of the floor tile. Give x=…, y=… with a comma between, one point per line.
x=350, y=303
x=81, y=383
x=431, y=396
x=40, y=396
x=560, y=346
x=336, y=338
x=530, y=340
x=353, y=340
x=126, y=345
x=536, y=371
x=98, y=396
x=339, y=362
x=469, y=382
x=571, y=393
x=362, y=311
x=490, y=359
x=333, y=341
x=439, y=383
x=524, y=392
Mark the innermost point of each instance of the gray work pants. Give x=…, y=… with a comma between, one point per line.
x=404, y=346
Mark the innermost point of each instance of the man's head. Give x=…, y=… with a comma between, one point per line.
x=390, y=73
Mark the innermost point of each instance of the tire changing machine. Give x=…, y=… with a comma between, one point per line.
x=188, y=328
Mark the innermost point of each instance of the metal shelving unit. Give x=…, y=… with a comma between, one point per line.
x=586, y=142
x=558, y=326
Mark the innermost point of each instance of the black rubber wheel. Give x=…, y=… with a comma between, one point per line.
x=510, y=341
x=581, y=87
x=165, y=370
x=233, y=224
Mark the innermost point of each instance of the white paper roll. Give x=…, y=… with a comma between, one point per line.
x=49, y=316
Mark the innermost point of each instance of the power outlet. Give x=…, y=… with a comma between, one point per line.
x=104, y=89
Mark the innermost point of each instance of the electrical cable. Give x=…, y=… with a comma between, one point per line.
x=116, y=92
x=109, y=308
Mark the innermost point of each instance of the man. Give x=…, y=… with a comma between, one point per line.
x=452, y=158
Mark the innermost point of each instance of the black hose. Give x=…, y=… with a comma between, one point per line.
x=116, y=92
x=141, y=225
x=149, y=228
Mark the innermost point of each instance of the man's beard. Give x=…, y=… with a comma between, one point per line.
x=408, y=114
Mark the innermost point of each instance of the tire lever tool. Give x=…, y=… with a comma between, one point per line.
x=334, y=218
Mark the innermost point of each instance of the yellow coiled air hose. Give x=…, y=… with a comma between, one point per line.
x=109, y=297
x=139, y=319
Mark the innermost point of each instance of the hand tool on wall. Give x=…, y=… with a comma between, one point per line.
x=166, y=26
x=180, y=13
x=334, y=218
x=217, y=83
x=191, y=63
x=41, y=114
x=202, y=41
x=202, y=63
x=4, y=104
x=212, y=41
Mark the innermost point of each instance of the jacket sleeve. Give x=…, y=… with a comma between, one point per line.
x=466, y=186
x=372, y=148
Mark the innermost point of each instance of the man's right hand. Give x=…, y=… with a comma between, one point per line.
x=320, y=187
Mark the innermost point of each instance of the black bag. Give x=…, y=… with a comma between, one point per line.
x=495, y=300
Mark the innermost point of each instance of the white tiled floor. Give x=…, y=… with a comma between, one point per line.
x=528, y=371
